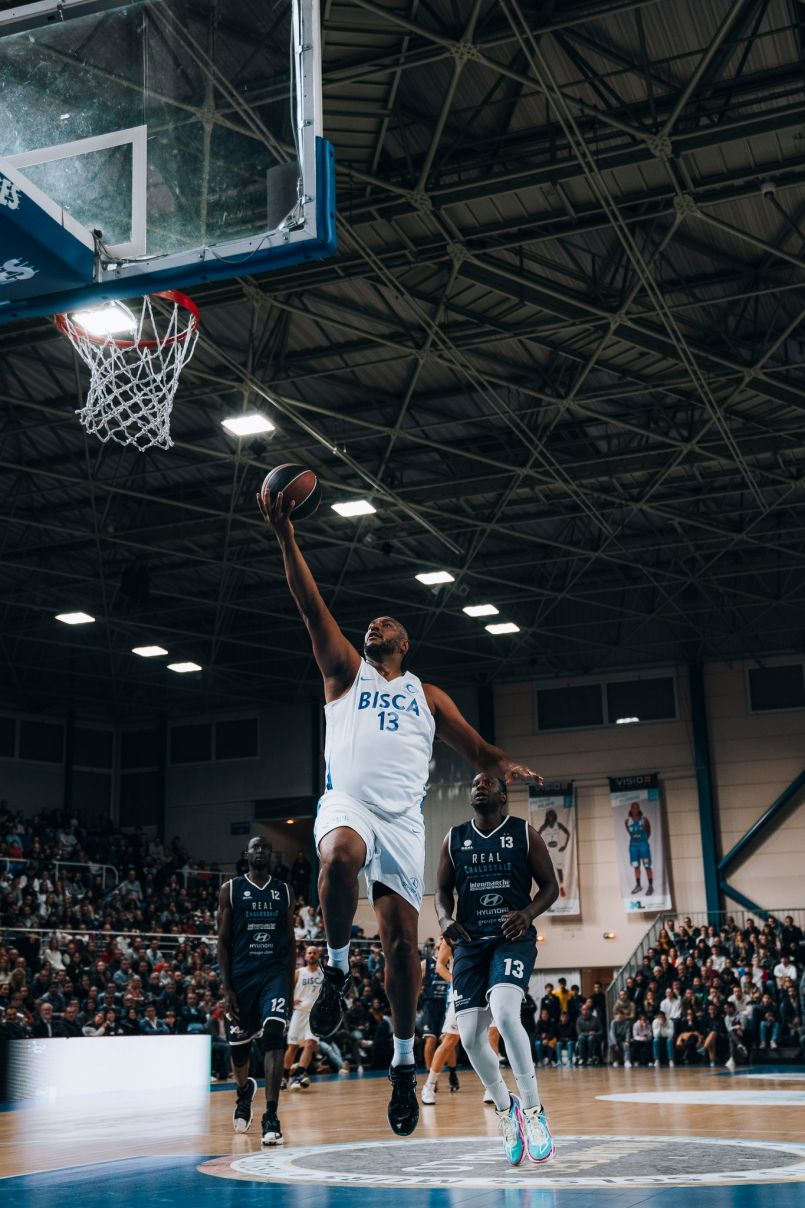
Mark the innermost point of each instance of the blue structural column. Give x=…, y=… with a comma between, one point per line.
x=704, y=786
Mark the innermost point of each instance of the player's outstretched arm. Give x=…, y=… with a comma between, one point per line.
x=454, y=729
x=337, y=658
x=225, y=950
x=516, y=922
x=444, y=899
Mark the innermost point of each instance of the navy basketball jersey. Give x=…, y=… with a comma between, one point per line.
x=434, y=987
x=492, y=874
x=259, y=925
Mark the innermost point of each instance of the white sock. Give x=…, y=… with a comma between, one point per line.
x=403, y=1051
x=432, y=1079
x=339, y=957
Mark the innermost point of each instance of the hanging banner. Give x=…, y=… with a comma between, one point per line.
x=552, y=812
x=637, y=815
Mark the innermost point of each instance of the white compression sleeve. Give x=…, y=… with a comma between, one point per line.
x=505, y=1002
x=474, y=1028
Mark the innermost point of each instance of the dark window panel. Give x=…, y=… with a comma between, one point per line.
x=93, y=748
x=139, y=749
x=568, y=708
x=7, y=730
x=777, y=687
x=648, y=699
x=191, y=744
x=42, y=741
x=236, y=739
x=139, y=798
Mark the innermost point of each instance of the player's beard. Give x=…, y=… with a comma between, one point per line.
x=381, y=650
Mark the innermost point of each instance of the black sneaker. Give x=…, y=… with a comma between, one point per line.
x=272, y=1133
x=242, y=1115
x=403, y=1112
x=327, y=1011
x=453, y=1080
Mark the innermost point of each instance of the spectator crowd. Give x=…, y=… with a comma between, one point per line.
x=80, y=957
x=702, y=995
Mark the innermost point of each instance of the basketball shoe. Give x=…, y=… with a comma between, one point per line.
x=272, y=1133
x=452, y=1078
x=403, y=1109
x=328, y=1009
x=511, y=1127
x=242, y=1115
x=539, y=1144
x=428, y=1096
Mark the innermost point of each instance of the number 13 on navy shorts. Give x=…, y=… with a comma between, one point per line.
x=479, y=967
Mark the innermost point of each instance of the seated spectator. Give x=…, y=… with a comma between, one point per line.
x=769, y=1026
x=620, y=1035
x=565, y=1039
x=641, y=1040
x=662, y=1038
x=545, y=1040
x=714, y=1034
x=689, y=1039
x=738, y=1039
x=151, y=1025
x=588, y=1037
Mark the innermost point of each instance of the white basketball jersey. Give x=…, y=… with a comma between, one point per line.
x=307, y=987
x=379, y=741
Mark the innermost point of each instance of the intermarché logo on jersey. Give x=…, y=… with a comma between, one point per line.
x=491, y=899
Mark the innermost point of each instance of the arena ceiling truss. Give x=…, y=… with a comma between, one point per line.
x=560, y=349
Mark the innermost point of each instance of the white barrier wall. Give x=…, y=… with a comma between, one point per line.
x=50, y=1071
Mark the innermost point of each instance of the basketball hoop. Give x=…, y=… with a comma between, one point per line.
x=134, y=360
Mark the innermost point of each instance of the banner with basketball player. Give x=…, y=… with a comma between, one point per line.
x=552, y=812
x=639, y=842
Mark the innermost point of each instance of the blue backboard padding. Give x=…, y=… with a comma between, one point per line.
x=48, y=295
x=37, y=253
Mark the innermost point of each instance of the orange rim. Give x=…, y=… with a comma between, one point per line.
x=64, y=322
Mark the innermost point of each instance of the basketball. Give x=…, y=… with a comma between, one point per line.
x=301, y=486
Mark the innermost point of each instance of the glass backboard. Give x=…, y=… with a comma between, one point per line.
x=157, y=145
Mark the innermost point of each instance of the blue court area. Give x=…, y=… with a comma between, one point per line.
x=177, y=1181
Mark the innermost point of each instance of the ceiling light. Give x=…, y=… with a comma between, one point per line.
x=247, y=425
x=431, y=577
x=183, y=668
x=480, y=610
x=503, y=627
x=354, y=507
x=289, y=821
x=609, y=935
x=111, y=320
x=626, y=721
x=75, y=618
x=148, y=652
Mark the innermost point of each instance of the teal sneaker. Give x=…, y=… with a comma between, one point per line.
x=510, y=1122
x=539, y=1144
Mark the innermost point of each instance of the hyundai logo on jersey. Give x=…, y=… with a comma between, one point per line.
x=491, y=899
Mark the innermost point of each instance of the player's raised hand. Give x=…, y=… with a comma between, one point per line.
x=518, y=771
x=515, y=924
x=277, y=514
x=453, y=931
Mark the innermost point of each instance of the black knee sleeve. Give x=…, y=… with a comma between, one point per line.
x=272, y=1038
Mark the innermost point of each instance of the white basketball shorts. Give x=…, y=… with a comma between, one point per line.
x=395, y=842
x=299, y=1028
x=450, y=1025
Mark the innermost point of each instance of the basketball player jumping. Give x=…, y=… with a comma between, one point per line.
x=490, y=862
x=381, y=723
x=257, y=959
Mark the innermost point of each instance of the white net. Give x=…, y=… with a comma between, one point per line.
x=133, y=376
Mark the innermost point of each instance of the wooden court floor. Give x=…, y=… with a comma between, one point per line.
x=734, y=1140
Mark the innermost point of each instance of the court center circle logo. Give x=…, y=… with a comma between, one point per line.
x=581, y=1161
